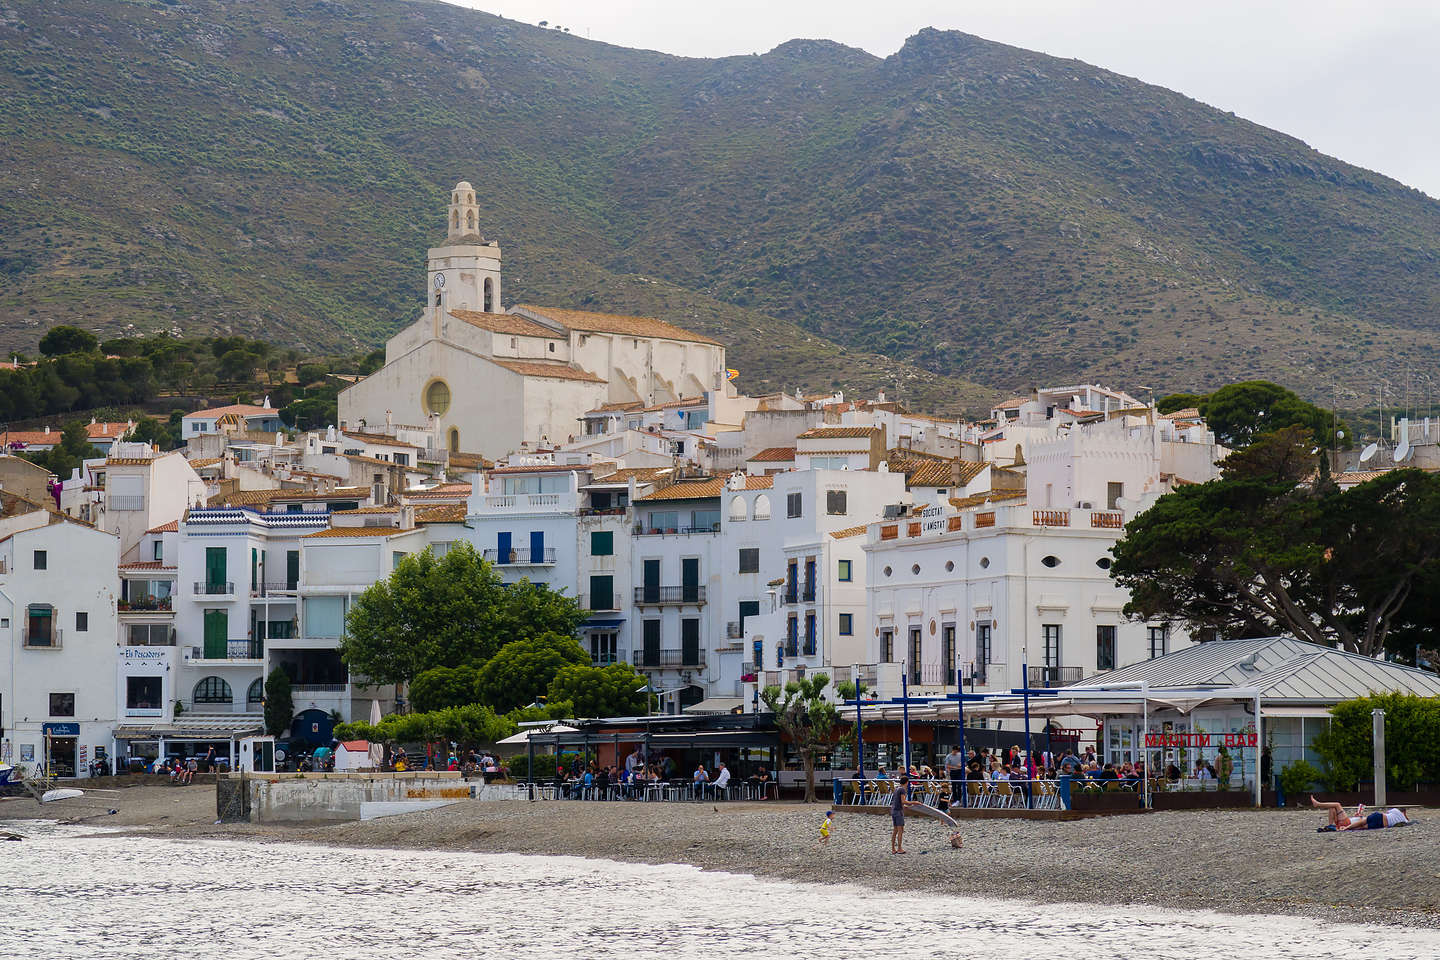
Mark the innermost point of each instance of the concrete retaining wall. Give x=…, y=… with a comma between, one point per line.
x=277, y=798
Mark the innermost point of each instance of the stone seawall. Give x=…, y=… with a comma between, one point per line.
x=291, y=797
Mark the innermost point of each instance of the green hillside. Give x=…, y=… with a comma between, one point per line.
x=959, y=219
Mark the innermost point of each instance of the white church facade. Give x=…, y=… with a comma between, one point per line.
x=490, y=379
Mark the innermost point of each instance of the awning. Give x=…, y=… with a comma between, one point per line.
x=1280, y=710
x=609, y=623
x=195, y=728
x=717, y=705
x=524, y=735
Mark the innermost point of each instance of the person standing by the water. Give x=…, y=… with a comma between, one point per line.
x=899, y=800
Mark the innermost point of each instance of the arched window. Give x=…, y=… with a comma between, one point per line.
x=454, y=440
x=256, y=693
x=489, y=295
x=455, y=220
x=212, y=690
x=762, y=508
x=737, y=508
x=470, y=220
x=469, y=198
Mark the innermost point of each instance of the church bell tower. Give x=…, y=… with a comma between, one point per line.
x=464, y=273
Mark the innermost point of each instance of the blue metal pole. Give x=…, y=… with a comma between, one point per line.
x=1025, y=676
x=964, y=761
x=859, y=737
x=905, y=714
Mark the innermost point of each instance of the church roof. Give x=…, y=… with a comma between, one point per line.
x=626, y=326
x=556, y=370
x=510, y=323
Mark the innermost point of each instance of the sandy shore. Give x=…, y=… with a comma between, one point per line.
x=1239, y=861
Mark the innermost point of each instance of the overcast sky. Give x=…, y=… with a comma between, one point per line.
x=1357, y=80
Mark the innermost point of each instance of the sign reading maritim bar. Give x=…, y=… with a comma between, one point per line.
x=1201, y=740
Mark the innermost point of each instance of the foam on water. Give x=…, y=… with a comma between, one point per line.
x=68, y=894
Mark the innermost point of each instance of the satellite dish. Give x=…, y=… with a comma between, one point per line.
x=1369, y=452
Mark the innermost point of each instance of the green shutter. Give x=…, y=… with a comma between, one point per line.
x=217, y=629
x=602, y=543
x=214, y=566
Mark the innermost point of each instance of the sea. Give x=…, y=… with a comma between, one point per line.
x=71, y=893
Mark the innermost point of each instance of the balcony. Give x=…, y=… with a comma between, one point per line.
x=235, y=650
x=204, y=588
x=808, y=594
x=519, y=503
x=269, y=587
x=1052, y=518
x=669, y=596
x=1053, y=676
x=1107, y=520
x=44, y=640
x=117, y=502
x=522, y=557
x=644, y=531
x=846, y=674
x=144, y=605
x=308, y=687
x=672, y=660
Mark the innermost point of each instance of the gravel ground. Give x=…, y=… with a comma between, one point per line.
x=1238, y=861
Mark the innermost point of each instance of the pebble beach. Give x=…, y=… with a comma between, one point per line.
x=1238, y=861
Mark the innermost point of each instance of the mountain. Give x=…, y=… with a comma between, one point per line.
x=959, y=219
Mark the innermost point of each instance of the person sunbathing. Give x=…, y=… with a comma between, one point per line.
x=1374, y=820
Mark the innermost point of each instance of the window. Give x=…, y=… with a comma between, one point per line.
x=762, y=508
x=1113, y=493
x=651, y=640
x=602, y=543
x=759, y=654
x=982, y=645
x=690, y=642
x=142, y=693
x=749, y=559
x=809, y=633
x=1051, y=634
x=212, y=690
x=792, y=504
x=1159, y=641
x=82, y=621
x=256, y=693
x=602, y=593
x=1103, y=563
x=159, y=550
x=324, y=617
x=792, y=581
x=887, y=646
x=792, y=636
x=842, y=571
x=149, y=635
x=947, y=651
x=1050, y=560
x=1104, y=648
x=738, y=510
x=437, y=397
x=41, y=560
x=846, y=627
x=915, y=654
x=835, y=503
x=62, y=704
x=40, y=626
x=603, y=648
x=395, y=557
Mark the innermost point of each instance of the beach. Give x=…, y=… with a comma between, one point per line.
x=1238, y=861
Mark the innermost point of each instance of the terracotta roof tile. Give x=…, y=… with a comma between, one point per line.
x=145, y=565
x=509, y=323
x=1014, y=403
x=981, y=499
x=774, y=455
x=619, y=406
x=849, y=532
x=759, y=483
x=239, y=409
x=335, y=532
x=702, y=488
x=626, y=326
x=641, y=475
x=554, y=370
x=442, y=513
x=204, y=462
x=172, y=527
x=380, y=440
x=838, y=433
x=1359, y=476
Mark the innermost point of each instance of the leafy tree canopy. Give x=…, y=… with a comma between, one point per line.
x=1240, y=413
x=1412, y=741
x=279, y=703
x=811, y=722
x=441, y=687
x=615, y=690
x=1178, y=401
x=467, y=726
x=523, y=669
x=65, y=339
x=447, y=612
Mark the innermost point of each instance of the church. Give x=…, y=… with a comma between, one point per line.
x=488, y=379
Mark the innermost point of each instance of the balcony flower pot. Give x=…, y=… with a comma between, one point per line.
x=671, y=530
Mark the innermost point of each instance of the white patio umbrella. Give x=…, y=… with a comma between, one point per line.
x=524, y=735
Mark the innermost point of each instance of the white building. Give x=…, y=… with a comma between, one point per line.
x=58, y=624
x=143, y=490
x=243, y=417
x=493, y=381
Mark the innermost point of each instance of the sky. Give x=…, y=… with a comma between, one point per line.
x=1356, y=80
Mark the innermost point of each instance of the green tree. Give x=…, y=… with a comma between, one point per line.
x=150, y=430
x=62, y=340
x=1240, y=413
x=1412, y=741
x=811, y=722
x=468, y=726
x=1178, y=401
x=279, y=704
x=67, y=455
x=1255, y=553
x=441, y=687
x=615, y=690
x=523, y=669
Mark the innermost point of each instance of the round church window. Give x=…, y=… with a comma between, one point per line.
x=437, y=397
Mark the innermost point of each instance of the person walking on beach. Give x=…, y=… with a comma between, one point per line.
x=899, y=800
x=825, y=827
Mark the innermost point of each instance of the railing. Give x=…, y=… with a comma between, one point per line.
x=144, y=605
x=808, y=594
x=791, y=595
x=204, y=588
x=44, y=641
x=522, y=556
x=3, y=568
x=890, y=532
x=868, y=674
x=986, y=519
x=528, y=503
x=652, y=659
x=913, y=528
x=1053, y=676
x=273, y=586
x=954, y=523
x=1107, y=521
x=655, y=596
x=643, y=531
x=935, y=674
x=319, y=687
x=125, y=503
x=605, y=659
x=808, y=648
x=234, y=650
x=1052, y=518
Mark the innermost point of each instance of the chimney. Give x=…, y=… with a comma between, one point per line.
x=47, y=431
x=407, y=516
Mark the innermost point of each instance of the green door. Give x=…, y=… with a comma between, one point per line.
x=292, y=569
x=217, y=627
x=215, y=569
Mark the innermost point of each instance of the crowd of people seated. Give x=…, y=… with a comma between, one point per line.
x=589, y=780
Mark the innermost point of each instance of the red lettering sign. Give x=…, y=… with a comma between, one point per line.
x=1160, y=740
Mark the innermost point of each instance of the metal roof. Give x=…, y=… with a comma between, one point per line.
x=1282, y=668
